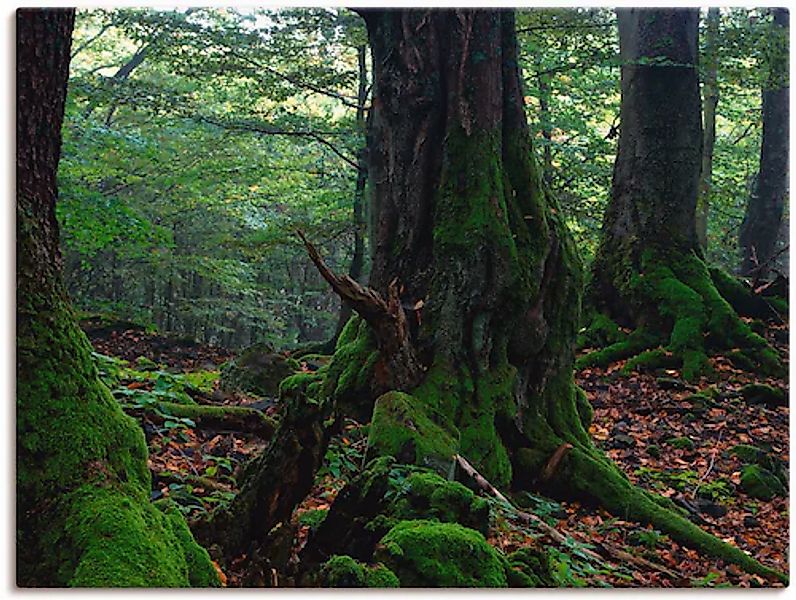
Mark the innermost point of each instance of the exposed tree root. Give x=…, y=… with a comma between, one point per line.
x=592, y=475
x=275, y=481
x=688, y=320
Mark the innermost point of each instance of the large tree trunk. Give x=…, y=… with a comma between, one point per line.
x=760, y=228
x=463, y=342
x=486, y=273
x=710, y=100
x=649, y=273
x=83, y=511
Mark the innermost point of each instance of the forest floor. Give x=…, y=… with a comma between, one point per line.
x=647, y=423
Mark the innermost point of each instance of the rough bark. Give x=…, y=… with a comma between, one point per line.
x=649, y=273
x=763, y=217
x=710, y=101
x=83, y=511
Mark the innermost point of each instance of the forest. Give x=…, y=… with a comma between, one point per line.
x=426, y=298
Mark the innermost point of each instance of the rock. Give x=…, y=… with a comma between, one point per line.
x=622, y=440
x=760, y=483
x=760, y=393
x=257, y=370
x=710, y=508
x=749, y=521
x=654, y=451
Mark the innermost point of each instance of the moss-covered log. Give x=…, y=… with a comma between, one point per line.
x=83, y=512
x=649, y=273
x=222, y=418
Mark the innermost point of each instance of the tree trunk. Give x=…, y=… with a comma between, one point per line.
x=649, y=273
x=760, y=228
x=360, y=225
x=710, y=100
x=83, y=511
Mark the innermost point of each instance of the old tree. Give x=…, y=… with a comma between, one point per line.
x=460, y=353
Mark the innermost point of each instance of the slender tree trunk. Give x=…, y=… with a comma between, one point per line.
x=649, y=273
x=710, y=101
x=764, y=209
x=83, y=512
x=360, y=223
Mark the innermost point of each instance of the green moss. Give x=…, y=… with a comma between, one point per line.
x=601, y=332
x=380, y=576
x=747, y=453
x=651, y=360
x=313, y=518
x=761, y=483
x=637, y=341
x=429, y=554
x=530, y=567
x=765, y=394
x=681, y=443
x=400, y=428
x=585, y=410
x=342, y=572
x=429, y=496
x=83, y=510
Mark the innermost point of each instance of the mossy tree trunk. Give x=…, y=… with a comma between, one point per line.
x=83, y=512
x=760, y=229
x=465, y=341
x=649, y=272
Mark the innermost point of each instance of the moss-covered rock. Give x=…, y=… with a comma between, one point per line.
x=384, y=494
x=764, y=394
x=430, y=554
x=760, y=483
x=681, y=443
x=257, y=370
x=346, y=572
x=342, y=571
x=380, y=576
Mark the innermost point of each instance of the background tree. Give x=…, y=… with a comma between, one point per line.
x=649, y=273
x=83, y=511
x=760, y=230
x=710, y=100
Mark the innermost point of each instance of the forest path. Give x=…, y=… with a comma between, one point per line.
x=665, y=438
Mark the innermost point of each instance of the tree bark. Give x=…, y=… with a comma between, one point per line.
x=649, y=273
x=763, y=217
x=83, y=511
x=710, y=101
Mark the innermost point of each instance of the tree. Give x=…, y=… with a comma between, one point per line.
x=83, y=512
x=463, y=343
x=763, y=217
x=649, y=273
x=710, y=100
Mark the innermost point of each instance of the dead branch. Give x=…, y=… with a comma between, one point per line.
x=386, y=318
x=554, y=534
